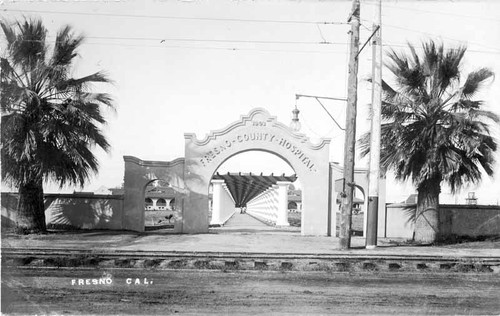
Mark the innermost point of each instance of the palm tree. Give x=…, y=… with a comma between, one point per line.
x=433, y=131
x=50, y=121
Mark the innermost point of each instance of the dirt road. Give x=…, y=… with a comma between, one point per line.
x=139, y=292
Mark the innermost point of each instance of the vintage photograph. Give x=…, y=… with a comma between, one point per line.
x=267, y=157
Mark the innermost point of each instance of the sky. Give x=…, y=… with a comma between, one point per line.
x=192, y=66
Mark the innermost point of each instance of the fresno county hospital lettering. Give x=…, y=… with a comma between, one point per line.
x=256, y=136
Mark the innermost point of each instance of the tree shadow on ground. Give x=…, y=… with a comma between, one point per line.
x=69, y=213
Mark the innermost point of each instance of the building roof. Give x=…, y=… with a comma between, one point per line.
x=117, y=191
x=159, y=192
x=412, y=199
x=357, y=200
x=246, y=186
x=294, y=198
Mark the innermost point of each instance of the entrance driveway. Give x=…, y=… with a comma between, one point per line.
x=244, y=223
x=242, y=234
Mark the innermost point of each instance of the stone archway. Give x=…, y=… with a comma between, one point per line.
x=256, y=131
x=138, y=174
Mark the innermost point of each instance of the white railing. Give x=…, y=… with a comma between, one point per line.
x=265, y=206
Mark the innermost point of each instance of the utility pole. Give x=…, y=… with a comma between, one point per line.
x=350, y=132
x=374, y=176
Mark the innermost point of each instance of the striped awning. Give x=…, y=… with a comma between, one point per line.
x=246, y=186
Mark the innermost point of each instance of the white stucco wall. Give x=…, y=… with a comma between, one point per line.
x=455, y=220
x=82, y=211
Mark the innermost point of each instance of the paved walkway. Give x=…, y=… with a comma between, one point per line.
x=244, y=223
x=241, y=234
x=238, y=241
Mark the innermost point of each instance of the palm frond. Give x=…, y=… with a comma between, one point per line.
x=50, y=122
x=29, y=49
x=80, y=84
x=410, y=212
x=433, y=129
x=10, y=35
x=65, y=47
x=449, y=68
x=474, y=81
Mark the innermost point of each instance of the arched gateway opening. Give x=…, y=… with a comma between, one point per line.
x=250, y=192
x=256, y=131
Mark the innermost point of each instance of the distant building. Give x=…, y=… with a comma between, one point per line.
x=159, y=198
x=102, y=190
x=412, y=199
x=294, y=199
x=446, y=198
x=117, y=191
x=471, y=199
x=83, y=193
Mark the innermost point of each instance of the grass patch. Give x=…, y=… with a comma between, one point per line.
x=356, y=224
x=52, y=226
x=158, y=218
x=456, y=239
x=295, y=219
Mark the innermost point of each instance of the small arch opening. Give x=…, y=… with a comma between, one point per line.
x=358, y=211
x=159, y=198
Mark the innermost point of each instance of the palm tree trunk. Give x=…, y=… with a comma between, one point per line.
x=31, y=210
x=427, y=216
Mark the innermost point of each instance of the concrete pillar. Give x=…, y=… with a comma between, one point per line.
x=274, y=203
x=282, y=219
x=217, y=202
x=365, y=214
x=382, y=229
x=269, y=205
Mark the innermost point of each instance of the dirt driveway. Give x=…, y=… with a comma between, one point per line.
x=139, y=292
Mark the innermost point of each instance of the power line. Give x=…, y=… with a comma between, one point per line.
x=234, y=41
x=468, y=50
x=433, y=34
x=438, y=12
x=177, y=17
x=213, y=40
x=237, y=20
x=202, y=40
x=217, y=48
